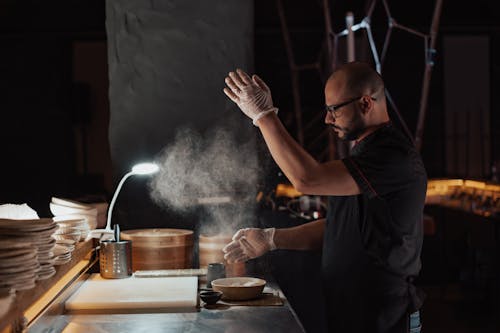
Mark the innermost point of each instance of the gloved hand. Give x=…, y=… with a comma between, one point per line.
x=251, y=95
x=249, y=243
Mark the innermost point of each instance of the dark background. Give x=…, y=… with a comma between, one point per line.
x=55, y=101
x=54, y=83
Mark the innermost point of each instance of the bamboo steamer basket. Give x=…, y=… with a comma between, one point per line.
x=210, y=251
x=160, y=248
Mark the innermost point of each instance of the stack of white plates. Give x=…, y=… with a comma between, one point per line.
x=65, y=210
x=19, y=265
x=39, y=234
x=62, y=253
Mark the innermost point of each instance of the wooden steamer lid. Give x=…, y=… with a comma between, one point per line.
x=163, y=236
x=160, y=248
x=210, y=251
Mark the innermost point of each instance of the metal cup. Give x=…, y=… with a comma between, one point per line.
x=215, y=271
x=115, y=259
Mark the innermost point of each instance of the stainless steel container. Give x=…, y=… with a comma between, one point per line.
x=115, y=259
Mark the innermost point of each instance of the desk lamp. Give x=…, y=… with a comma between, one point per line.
x=138, y=169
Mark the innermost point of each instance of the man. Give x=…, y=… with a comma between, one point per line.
x=372, y=236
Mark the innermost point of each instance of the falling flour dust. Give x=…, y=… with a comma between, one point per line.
x=215, y=172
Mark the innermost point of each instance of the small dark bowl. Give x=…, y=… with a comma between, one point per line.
x=210, y=297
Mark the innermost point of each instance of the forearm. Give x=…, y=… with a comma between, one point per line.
x=307, y=236
x=292, y=159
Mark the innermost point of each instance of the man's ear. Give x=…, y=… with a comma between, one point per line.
x=366, y=104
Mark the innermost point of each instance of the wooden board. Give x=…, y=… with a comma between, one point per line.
x=98, y=293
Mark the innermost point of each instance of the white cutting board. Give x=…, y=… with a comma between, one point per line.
x=135, y=293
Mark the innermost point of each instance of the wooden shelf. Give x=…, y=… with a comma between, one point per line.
x=26, y=298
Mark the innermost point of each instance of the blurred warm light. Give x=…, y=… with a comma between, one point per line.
x=286, y=190
x=491, y=187
x=474, y=184
x=441, y=187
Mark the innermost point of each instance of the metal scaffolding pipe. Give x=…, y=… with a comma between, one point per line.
x=427, y=74
x=349, y=22
x=294, y=72
x=328, y=33
x=331, y=61
x=410, y=30
x=371, y=41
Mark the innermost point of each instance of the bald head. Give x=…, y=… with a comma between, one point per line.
x=356, y=91
x=357, y=78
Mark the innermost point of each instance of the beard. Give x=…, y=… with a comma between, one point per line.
x=353, y=130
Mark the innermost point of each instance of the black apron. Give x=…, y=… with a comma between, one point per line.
x=361, y=294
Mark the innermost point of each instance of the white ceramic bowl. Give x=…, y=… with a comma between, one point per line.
x=70, y=203
x=91, y=221
x=65, y=210
x=76, y=223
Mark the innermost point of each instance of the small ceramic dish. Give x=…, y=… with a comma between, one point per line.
x=210, y=297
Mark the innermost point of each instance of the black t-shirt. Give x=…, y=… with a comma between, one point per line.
x=372, y=241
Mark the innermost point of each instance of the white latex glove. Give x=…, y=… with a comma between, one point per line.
x=249, y=243
x=251, y=95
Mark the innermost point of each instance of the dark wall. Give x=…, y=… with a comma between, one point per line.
x=36, y=126
x=39, y=120
x=40, y=147
x=167, y=63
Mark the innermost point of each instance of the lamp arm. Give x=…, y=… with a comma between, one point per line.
x=112, y=204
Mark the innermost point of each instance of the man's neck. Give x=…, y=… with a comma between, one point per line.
x=370, y=129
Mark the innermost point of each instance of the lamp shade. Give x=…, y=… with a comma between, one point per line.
x=145, y=168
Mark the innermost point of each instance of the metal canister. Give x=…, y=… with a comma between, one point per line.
x=215, y=271
x=115, y=259
x=210, y=251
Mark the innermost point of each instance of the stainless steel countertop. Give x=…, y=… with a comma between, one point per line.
x=238, y=319
x=235, y=319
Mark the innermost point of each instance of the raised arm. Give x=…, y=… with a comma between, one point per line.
x=253, y=97
x=305, y=173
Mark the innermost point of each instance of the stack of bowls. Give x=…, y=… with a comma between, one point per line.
x=62, y=253
x=73, y=218
x=75, y=230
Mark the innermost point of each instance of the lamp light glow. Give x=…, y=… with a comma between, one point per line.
x=145, y=168
x=138, y=169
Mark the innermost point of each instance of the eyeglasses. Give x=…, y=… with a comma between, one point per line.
x=333, y=109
